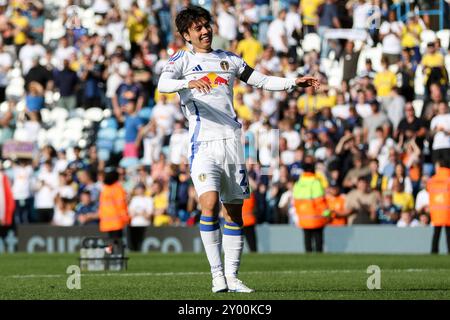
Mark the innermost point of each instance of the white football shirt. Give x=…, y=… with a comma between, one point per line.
x=211, y=115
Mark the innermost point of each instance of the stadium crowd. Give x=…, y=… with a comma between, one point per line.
x=78, y=82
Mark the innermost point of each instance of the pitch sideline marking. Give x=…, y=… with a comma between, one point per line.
x=164, y=274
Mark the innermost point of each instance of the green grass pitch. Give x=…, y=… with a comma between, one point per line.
x=158, y=276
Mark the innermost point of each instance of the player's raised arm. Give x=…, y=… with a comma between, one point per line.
x=272, y=83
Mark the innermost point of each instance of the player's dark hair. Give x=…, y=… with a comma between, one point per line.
x=189, y=15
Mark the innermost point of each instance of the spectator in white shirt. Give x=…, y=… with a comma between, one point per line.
x=152, y=142
x=423, y=197
x=287, y=156
x=29, y=53
x=269, y=62
x=164, y=114
x=390, y=35
x=22, y=191
x=118, y=71
x=159, y=65
x=179, y=143
x=278, y=33
x=293, y=27
x=292, y=136
x=116, y=27
x=407, y=220
x=101, y=7
x=61, y=161
x=360, y=12
x=63, y=52
x=440, y=129
x=6, y=63
x=64, y=215
x=227, y=22
x=31, y=127
x=140, y=210
x=46, y=189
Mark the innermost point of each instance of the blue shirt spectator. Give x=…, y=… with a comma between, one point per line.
x=328, y=13
x=34, y=103
x=128, y=92
x=86, y=211
x=132, y=125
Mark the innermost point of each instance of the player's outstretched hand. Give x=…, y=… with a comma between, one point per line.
x=200, y=85
x=308, y=82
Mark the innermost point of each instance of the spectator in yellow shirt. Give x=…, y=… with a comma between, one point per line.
x=20, y=23
x=401, y=198
x=136, y=24
x=242, y=110
x=411, y=36
x=249, y=48
x=160, y=205
x=384, y=80
x=434, y=70
x=309, y=12
x=432, y=58
x=312, y=102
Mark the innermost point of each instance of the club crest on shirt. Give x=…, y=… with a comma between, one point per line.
x=202, y=177
x=224, y=65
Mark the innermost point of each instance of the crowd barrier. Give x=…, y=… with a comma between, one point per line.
x=270, y=239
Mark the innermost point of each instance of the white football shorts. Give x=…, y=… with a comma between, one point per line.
x=219, y=165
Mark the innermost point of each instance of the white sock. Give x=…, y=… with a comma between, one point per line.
x=233, y=243
x=211, y=236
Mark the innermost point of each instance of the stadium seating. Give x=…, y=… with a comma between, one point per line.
x=447, y=64
x=129, y=163
x=75, y=123
x=374, y=54
x=105, y=144
x=119, y=146
x=107, y=133
x=418, y=106
x=104, y=154
x=59, y=115
x=418, y=81
x=46, y=115
x=94, y=114
x=16, y=84
x=109, y=123
x=335, y=74
x=444, y=36
x=426, y=37
x=145, y=114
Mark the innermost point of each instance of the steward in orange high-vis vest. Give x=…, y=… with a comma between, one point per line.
x=113, y=209
x=438, y=188
x=249, y=220
x=311, y=206
x=336, y=204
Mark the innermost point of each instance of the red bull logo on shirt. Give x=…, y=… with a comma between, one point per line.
x=214, y=79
